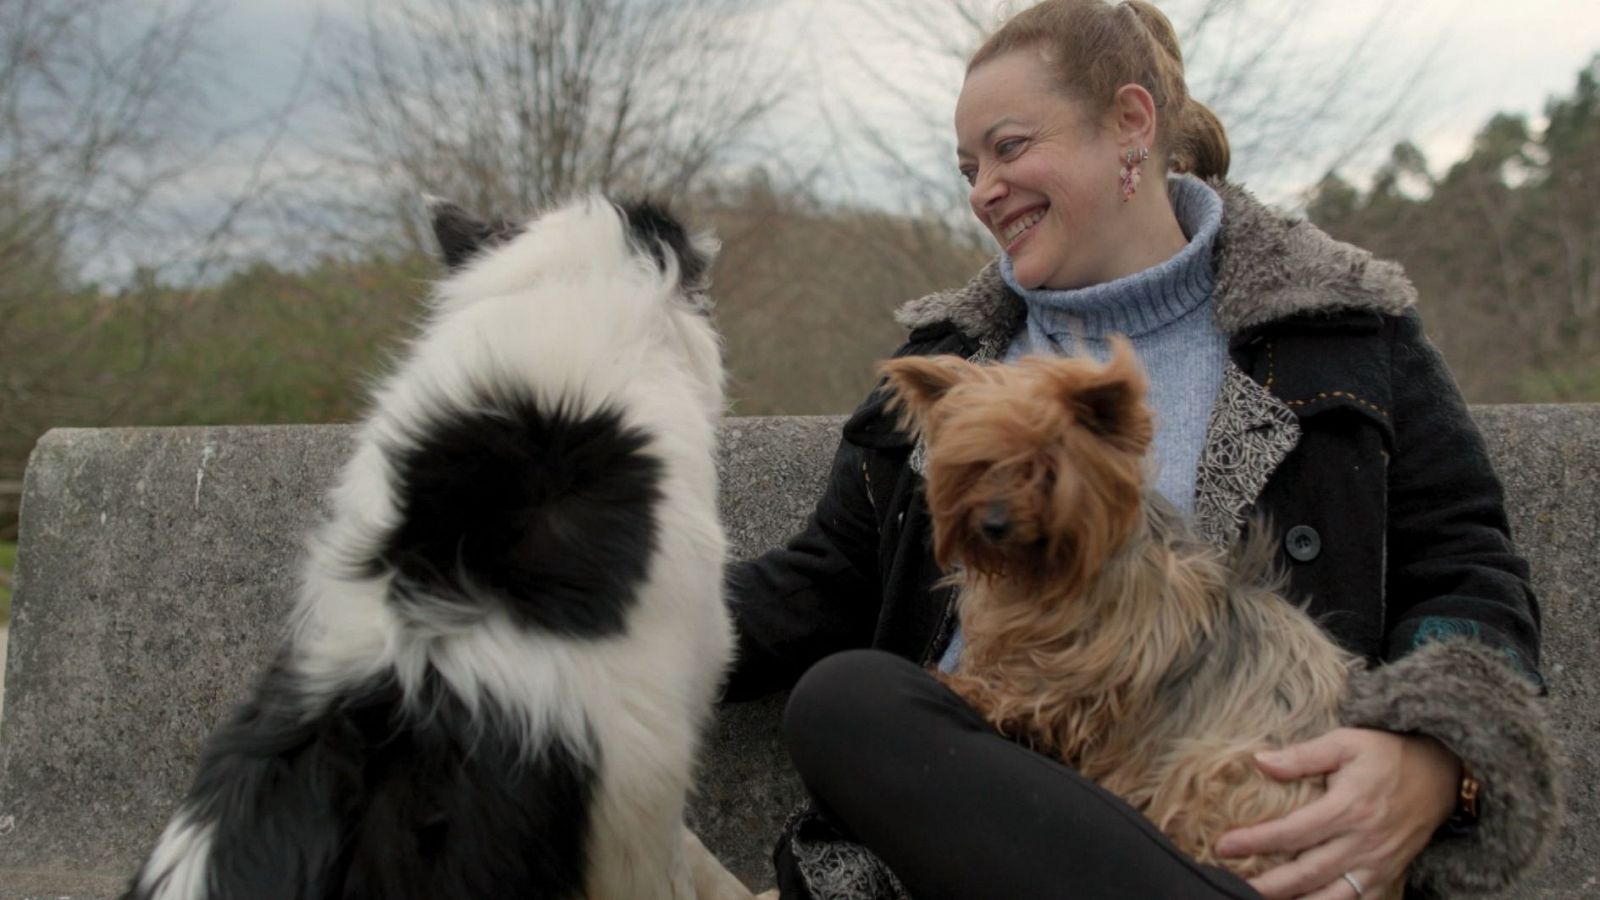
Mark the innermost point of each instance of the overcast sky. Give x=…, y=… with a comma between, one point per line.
x=1448, y=64
x=1495, y=56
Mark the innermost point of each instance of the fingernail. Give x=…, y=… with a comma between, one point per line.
x=1225, y=847
x=1270, y=757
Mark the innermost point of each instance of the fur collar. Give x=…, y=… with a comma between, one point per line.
x=1269, y=267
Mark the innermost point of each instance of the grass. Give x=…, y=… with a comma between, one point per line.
x=8, y=559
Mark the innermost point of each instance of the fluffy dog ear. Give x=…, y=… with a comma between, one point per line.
x=918, y=382
x=1111, y=404
x=462, y=235
x=657, y=232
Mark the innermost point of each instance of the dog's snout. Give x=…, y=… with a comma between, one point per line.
x=996, y=522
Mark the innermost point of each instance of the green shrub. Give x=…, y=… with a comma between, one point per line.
x=1560, y=381
x=1575, y=383
x=8, y=560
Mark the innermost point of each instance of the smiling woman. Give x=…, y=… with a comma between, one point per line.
x=1032, y=122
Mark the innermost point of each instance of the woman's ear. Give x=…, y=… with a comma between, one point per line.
x=1133, y=113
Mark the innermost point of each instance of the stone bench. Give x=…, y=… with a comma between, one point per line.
x=156, y=566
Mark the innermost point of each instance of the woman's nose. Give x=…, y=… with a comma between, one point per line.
x=986, y=191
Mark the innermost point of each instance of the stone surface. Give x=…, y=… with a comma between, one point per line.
x=155, y=568
x=5, y=641
x=22, y=884
x=1549, y=459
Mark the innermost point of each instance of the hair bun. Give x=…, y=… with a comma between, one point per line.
x=1201, y=145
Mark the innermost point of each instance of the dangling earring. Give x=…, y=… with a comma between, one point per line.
x=1131, y=163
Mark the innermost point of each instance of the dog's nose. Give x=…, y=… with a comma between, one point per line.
x=995, y=524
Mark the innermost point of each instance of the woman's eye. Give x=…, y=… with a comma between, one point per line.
x=1008, y=147
x=971, y=176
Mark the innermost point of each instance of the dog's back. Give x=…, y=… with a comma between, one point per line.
x=511, y=628
x=1262, y=675
x=372, y=797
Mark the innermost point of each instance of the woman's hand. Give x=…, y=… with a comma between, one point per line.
x=1387, y=794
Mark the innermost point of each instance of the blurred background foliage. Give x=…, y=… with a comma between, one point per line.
x=1504, y=247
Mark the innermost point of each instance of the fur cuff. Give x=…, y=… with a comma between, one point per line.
x=1465, y=695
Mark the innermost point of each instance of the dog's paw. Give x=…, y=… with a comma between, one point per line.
x=712, y=881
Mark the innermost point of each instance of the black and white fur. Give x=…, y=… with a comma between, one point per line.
x=509, y=633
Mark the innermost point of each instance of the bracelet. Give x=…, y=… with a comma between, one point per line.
x=1467, y=799
x=1465, y=816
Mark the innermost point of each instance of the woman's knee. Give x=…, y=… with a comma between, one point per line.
x=839, y=689
x=838, y=702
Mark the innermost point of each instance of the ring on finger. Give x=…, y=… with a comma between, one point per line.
x=1354, y=884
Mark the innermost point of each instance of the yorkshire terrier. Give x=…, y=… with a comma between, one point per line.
x=1099, y=628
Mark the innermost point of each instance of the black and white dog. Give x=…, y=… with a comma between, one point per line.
x=510, y=632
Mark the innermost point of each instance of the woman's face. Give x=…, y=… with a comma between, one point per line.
x=1044, y=174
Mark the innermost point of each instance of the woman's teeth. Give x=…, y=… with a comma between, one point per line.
x=1023, y=224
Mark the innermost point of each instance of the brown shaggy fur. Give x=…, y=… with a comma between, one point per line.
x=1098, y=628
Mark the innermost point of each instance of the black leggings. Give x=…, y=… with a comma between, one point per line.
x=955, y=810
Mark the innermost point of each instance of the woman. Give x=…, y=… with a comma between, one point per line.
x=1290, y=376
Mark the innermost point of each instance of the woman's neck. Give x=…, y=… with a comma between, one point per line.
x=1155, y=237
x=1148, y=235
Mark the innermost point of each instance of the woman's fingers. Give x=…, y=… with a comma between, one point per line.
x=1306, y=827
x=1318, y=756
x=1312, y=871
x=1340, y=889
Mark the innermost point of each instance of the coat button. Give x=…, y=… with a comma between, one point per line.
x=1302, y=543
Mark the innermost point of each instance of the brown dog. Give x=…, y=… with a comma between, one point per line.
x=1099, y=629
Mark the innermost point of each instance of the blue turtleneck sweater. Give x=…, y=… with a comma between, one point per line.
x=1166, y=312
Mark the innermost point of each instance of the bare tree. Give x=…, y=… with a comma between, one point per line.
x=103, y=116
x=507, y=105
x=88, y=89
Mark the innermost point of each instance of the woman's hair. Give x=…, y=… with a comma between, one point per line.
x=1095, y=48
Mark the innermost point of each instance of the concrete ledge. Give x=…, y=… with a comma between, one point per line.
x=155, y=568
x=29, y=885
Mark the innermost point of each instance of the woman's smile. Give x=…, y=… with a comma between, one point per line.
x=1020, y=227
